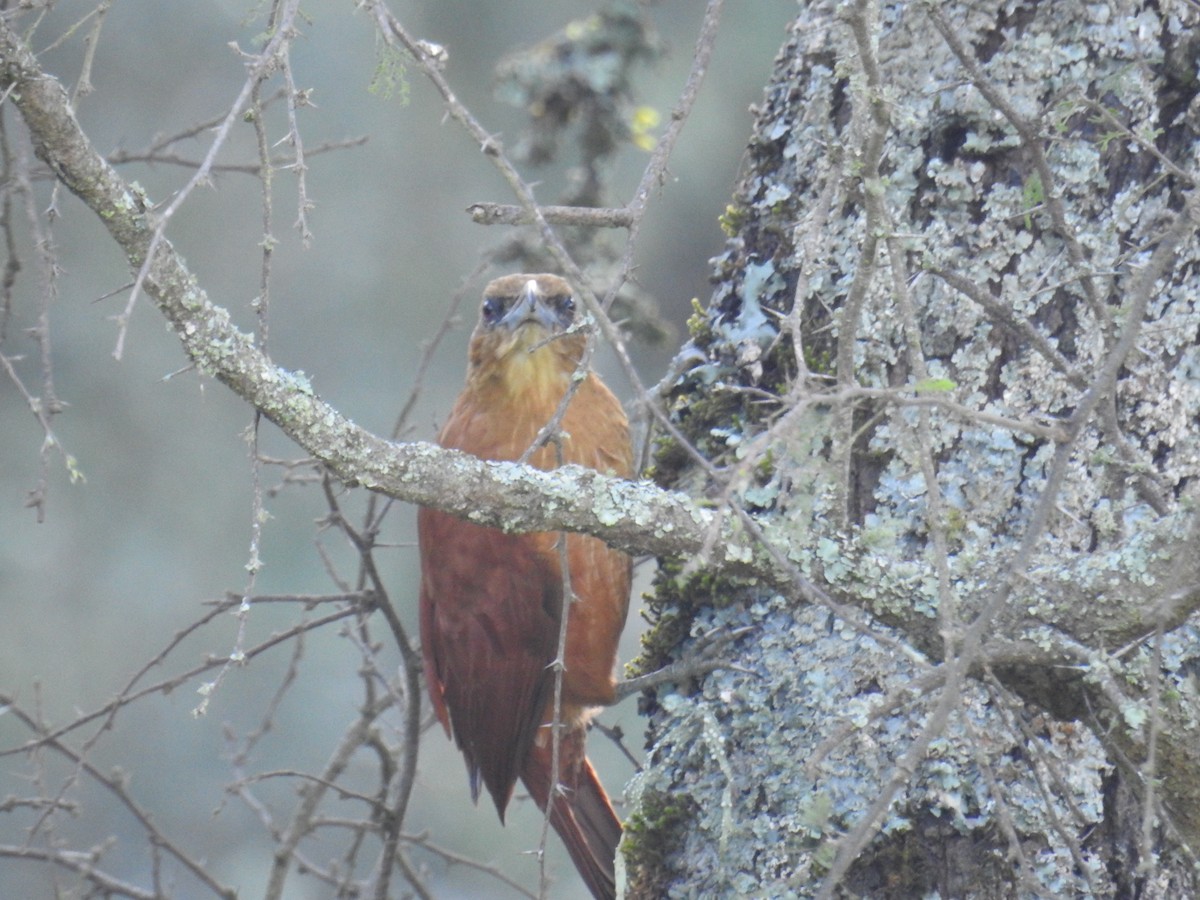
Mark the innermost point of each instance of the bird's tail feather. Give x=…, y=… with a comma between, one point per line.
x=582, y=814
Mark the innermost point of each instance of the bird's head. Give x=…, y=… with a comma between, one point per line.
x=522, y=336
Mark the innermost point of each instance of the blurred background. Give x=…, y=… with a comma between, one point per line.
x=126, y=558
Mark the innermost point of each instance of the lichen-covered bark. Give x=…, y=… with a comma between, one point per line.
x=951, y=374
x=962, y=262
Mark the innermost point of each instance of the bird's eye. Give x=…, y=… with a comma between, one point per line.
x=493, y=309
x=566, y=306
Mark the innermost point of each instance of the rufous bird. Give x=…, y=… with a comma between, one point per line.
x=491, y=603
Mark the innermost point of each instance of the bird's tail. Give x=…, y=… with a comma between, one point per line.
x=582, y=814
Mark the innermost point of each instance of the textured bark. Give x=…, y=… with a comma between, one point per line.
x=964, y=246
x=963, y=254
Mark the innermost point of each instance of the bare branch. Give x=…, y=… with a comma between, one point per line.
x=592, y=217
x=85, y=865
x=636, y=517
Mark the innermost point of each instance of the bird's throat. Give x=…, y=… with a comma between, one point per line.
x=538, y=374
x=529, y=368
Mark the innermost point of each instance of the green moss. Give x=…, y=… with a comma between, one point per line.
x=652, y=835
x=966, y=199
x=697, y=416
x=819, y=361
x=732, y=220
x=390, y=78
x=698, y=325
x=779, y=366
x=671, y=609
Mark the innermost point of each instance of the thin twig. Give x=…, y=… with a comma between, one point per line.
x=114, y=784
x=559, y=667
x=84, y=864
x=1032, y=142
x=431, y=66
x=261, y=66
x=166, y=685
x=393, y=819
x=124, y=157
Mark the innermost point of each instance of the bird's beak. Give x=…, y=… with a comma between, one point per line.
x=527, y=309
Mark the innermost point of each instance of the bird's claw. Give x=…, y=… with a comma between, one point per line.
x=700, y=659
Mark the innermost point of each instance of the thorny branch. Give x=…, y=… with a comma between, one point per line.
x=636, y=517
x=431, y=65
x=260, y=66
x=632, y=516
x=863, y=22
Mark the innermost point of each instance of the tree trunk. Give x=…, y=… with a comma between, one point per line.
x=952, y=364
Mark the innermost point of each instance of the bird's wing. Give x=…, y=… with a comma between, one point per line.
x=490, y=607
